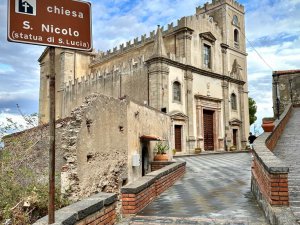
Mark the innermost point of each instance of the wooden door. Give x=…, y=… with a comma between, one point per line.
x=235, y=137
x=208, y=121
x=178, y=129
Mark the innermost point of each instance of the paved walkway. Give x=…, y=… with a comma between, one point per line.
x=214, y=190
x=288, y=150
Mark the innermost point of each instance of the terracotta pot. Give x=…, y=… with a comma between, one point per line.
x=268, y=126
x=161, y=157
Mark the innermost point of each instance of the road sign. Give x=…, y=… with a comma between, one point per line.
x=57, y=23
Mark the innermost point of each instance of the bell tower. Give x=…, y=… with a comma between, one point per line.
x=230, y=18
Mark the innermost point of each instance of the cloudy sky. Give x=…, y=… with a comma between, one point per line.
x=272, y=27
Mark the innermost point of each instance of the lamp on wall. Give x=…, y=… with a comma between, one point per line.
x=291, y=91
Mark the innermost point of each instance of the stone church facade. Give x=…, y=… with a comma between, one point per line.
x=195, y=71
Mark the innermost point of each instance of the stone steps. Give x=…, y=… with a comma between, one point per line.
x=145, y=220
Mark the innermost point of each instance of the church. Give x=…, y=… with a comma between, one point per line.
x=194, y=71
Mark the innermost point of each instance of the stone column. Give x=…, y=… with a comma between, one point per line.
x=224, y=48
x=189, y=110
x=242, y=115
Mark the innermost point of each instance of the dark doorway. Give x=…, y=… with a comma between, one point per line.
x=178, y=131
x=234, y=137
x=208, y=121
x=145, y=160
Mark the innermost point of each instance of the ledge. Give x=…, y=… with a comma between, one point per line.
x=146, y=181
x=265, y=156
x=270, y=162
x=80, y=210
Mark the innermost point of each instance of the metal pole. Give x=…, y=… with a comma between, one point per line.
x=51, y=207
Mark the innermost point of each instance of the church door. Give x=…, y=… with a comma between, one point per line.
x=208, y=120
x=178, y=129
x=235, y=137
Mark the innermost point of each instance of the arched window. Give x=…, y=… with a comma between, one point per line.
x=176, y=91
x=236, y=36
x=233, y=102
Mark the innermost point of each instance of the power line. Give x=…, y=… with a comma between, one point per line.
x=252, y=46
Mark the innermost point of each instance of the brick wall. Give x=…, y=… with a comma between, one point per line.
x=274, y=187
x=269, y=181
x=280, y=125
x=98, y=209
x=137, y=195
x=156, y=165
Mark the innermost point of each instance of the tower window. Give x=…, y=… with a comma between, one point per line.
x=233, y=102
x=207, y=56
x=236, y=38
x=176, y=91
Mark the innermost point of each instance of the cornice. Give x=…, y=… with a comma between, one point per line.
x=194, y=69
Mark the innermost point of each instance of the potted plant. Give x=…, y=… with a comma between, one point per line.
x=197, y=150
x=232, y=148
x=268, y=124
x=161, y=152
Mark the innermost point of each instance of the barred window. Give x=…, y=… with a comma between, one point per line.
x=233, y=102
x=176, y=91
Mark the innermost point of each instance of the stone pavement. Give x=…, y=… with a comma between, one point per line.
x=288, y=150
x=214, y=190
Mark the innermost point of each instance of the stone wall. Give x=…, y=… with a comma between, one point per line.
x=137, y=195
x=99, y=152
x=97, y=209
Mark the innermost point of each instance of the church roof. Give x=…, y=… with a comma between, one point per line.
x=159, y=49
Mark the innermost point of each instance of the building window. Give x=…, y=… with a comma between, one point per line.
x=176, y=91
x=236, y=38
x=233, y=102
x=207, y=56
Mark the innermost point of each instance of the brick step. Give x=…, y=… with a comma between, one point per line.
x=145, y=220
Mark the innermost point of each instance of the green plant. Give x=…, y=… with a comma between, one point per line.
x=174, y=151
x=161, y=148
x=23, y=197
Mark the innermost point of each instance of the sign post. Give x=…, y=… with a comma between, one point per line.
x=52, y=23
x=51, y=207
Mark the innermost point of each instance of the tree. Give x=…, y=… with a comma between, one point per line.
x=252, y=110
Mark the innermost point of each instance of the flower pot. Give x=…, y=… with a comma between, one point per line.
x=268, y=126
x=197, y=150
x=232, y=148
x=161, y=157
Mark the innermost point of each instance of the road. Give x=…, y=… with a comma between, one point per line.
x=214, y=190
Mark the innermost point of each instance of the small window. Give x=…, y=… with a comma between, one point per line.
x=207, y=56
x=236, y=36
x=233, y=102
x=176, y=91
